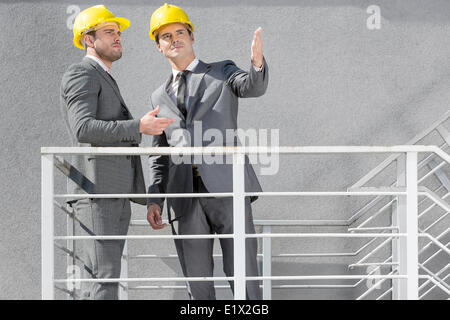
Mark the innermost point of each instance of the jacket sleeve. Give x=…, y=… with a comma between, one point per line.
x=81, y=90
x=158, y=170
x=247, y=84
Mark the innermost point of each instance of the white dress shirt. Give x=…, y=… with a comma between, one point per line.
x=173, y=88
x=100, y=62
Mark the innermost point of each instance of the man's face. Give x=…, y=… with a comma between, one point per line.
x=175, y=42
x=107, y=42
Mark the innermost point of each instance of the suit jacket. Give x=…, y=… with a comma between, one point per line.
x=96, y=116
x=214, y=90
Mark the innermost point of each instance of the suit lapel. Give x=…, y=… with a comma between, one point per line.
x=169, y=102
x=108, y=79
x=194, y=84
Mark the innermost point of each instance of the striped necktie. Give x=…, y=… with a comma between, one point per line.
x=182, y=92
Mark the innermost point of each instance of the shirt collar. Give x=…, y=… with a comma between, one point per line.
x=190, y=67
x=100, y=62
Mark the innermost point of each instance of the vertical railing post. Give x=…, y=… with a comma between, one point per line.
x=47, y=228
x=267, y=262
x=412, y=259
x=399, y=244
x=239, y=226
x=70, y=260
x=123, y=287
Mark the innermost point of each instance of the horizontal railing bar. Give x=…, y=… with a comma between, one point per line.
x=317, y=286
x=144, y=237
x=331, y=223
x=327, y=277
x=374, y=201
x=114, y=280
x=166, y=256
x=281, y=255
x=143, y=195
x=322, y=277
x=170, y=287
x=233, y=150
x=374, y=172
x=326, y=193
x=376, y=214
x=213, y=236
x=288, y=286
x=338, y=223
x=376, y=270
x=326, y=235
x=357, y=215
x=372, y=228
x=373, y=264
x=301, y=255
x=228, y=194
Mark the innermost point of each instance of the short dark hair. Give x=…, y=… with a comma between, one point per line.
x=188, y=28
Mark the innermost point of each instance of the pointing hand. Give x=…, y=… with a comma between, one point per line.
x=152, y=125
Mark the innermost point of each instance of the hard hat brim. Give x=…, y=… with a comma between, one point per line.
x=123, y=24
x=152, y=32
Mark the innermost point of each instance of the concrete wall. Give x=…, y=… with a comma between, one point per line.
x=332, y=82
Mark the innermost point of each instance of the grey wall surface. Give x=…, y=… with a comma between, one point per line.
x=332, y=82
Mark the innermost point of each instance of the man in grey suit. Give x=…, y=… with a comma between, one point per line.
x=96, y=115
x=201, y=96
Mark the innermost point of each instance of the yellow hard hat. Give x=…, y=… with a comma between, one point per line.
x=168, y=13
x=90, y=17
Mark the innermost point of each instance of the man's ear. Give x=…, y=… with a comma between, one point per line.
x=159, y=47
x=88, y=40
x=192, y=36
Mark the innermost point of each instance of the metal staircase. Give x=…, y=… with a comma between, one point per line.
x=433, y=215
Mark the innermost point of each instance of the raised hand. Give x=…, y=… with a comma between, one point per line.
x=257, y=54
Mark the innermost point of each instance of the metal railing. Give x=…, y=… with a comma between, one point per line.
x=430, y=167
x=405, y=275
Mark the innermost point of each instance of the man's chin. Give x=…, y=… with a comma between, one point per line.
x=116, y=56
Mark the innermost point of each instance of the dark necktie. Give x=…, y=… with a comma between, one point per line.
x=182, y=92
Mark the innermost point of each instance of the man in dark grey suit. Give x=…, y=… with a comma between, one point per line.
x=96, y=115
x=200, y=97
